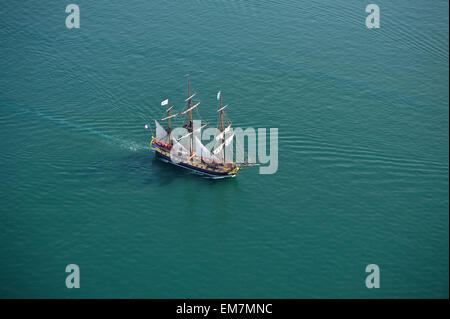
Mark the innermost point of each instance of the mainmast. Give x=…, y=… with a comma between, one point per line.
x=222, y=128
x=190, y=124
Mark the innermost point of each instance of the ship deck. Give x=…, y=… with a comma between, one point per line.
x=198, y=166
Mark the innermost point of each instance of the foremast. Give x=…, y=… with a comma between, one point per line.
x=168, y=118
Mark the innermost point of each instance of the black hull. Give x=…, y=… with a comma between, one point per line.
x=195, y=169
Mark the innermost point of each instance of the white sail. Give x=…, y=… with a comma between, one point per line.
x=218, y=149
x=161, y=133
x=220, y=135
x=202, y=151
x=190, y=133
x=191, y=108
x=227, y=142
x=229, y=139
x=184, y=136
x=179, y=147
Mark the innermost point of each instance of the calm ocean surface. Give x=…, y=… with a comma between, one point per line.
x=363, y=171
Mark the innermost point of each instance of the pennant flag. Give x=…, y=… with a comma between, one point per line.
x=218, y=96
x=165, y=102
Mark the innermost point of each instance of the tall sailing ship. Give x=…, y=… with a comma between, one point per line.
x=188, y=150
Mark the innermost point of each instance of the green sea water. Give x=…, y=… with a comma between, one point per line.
x=363, y=172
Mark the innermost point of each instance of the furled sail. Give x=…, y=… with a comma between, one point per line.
x=202, y=151
x=190, y=97
x=161, y=133
x=191, y=108
x=222, y=108
x=169, y=117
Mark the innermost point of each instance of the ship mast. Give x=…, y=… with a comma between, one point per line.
x=189, y=101
x=168, y=118
x=189, y=125
x=190, y=114
x=222, y=128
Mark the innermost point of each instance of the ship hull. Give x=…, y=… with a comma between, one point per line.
x=164, y=156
